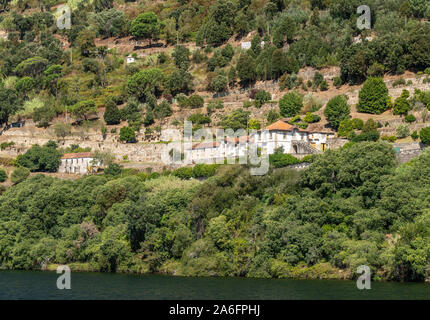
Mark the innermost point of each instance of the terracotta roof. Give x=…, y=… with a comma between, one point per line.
x=283, y=125
x=204, y=145
x=237, y=139
x=77, y=155
x=280, y=125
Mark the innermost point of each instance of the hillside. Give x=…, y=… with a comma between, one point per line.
x=73, y=75
x=105, y=89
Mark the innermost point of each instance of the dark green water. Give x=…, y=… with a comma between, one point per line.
x=42, y=285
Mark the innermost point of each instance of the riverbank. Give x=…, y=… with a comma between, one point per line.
x=321, y=271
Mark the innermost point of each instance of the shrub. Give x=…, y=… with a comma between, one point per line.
x=370, y=126
x=199, y=118
x=399, y=82
x=376, y=70
x=311, y=118
x=184, y=173
x=324, y=85
x=345, y=128
x=337, y=109
x=127, y=134
x=373, y=96
x=3, y=175
x=113, y=169
x=204, y=170
x=279, y=160
x=425, y=135
x=402, y=131
x=294, y=120
x=247, y=104
x=337, y=82
x=291, y=104
x=401, y=104
x=261, y=97
x=410, y=118
x=366, y=136
x=415, y=135
x=357, y=124
x=254, y=124
x=19, y=175
x=272, y=116
x=389, y=138
x=195, y=101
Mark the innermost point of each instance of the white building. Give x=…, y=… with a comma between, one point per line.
x=130, y=59
x=292, y=139
x=247, y=45
x=78, y=163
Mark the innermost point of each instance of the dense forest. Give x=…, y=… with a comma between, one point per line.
x=353, y=206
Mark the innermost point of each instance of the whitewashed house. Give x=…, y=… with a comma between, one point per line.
x=78, y=163
x=130, y=59
x=292, y=139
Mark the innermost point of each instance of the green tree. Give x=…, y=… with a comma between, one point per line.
x=345, y=128
x=148, y=80
x=401, y=104
x=111, y=23
x=373, y=96
x=9, y=104
x=85, y=41
x=425, y=135
x=3, y=175
x=146, y=26
x=246, y=68
x=52, y=76
x=418, y=45
x=238, y=119
x=19, y=175
x=180, y=81
x=163, y=110
x=83, y=109
x=291, y=104
x=62, y=130
x=25, y=85
x=337, y=109
x=181, y=55
x=112, y=114
x=31, y=67
x=41, y=159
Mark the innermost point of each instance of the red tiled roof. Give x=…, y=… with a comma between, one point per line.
x=204, y=145
x=280, y=125
x=77, y=155
x=237, y=139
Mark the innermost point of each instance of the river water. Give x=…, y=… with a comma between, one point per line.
x=35, y=285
